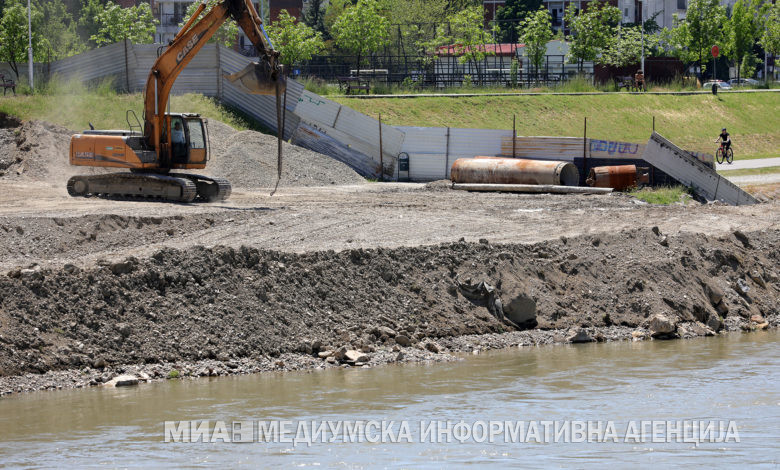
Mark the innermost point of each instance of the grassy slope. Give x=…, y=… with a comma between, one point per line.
x=691, y=121
x=107, y=110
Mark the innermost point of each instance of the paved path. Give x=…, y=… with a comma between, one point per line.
x=770, y=178
x=749, y=164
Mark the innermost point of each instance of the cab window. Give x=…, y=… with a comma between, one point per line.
x=195, y=128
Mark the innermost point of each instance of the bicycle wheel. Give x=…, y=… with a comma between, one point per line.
x=730, y=156
x=719, y=155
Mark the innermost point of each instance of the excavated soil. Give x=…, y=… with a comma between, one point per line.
x=37, y=151
x=244, y=306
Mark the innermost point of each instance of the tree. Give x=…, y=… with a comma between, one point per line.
x=314, y=15
x=592, y=30
x=361, y=30
x=88, y=24
x=413, y=22
x=295, y=41
x=770, y=37
x=535, y=31
x=466, y=35
x=335, y=9
x=13, y=34
x=117, y=24
x=225, y=35
x=61, y=33
x=510, y=15
x=742, y=32
x=625, y=48
x=703, y=27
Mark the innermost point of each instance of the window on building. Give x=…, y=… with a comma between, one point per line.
x=625, y=12
x=681, y=5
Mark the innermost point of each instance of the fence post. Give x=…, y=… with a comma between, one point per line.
x=585, y=148
x=447, y=154
x=381, y=154
x=514, y=134
x=127, y=68
x=219, y=73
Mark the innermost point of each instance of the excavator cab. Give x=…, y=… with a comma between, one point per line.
x=187, y=142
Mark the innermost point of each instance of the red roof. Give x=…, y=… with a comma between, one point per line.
x=506, y=49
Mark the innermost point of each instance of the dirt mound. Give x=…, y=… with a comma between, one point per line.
x=230, y=304
x=37, y=151
x=248, y=160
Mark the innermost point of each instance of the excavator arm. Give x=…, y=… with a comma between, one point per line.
x=263, y=78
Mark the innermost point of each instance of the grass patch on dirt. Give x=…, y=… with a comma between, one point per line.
x=751, y=171
x=691, y=121
x=74, y=106
x=664, y=195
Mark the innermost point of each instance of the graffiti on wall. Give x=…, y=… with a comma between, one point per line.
x=612, y=147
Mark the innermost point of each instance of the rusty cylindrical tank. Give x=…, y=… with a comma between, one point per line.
x=618, y=177
x=496, y=170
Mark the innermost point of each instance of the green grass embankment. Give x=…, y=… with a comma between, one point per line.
x=691, y=121
x=74, y=106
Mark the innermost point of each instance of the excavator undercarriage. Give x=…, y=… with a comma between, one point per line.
x=176, y=187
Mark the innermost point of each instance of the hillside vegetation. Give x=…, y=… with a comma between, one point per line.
x=692, y=121
x=74, y=106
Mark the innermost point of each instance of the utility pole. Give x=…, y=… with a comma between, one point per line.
x=29, y=47
x=642, y=29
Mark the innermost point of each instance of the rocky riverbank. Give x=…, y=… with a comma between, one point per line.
x=220, y=311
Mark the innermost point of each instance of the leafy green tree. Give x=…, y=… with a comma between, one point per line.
x=412, y=22
x=464, y=31
x=691, y=38
x=454, y=6
x=295, y=41
x=741, y=32
x=88, y=24
x=625, y=48
x=314, y=15
x=117, y=24
x=335, y=9
x=226, y=34
x=13, y=34
x=361, y=29
x=535, y=31
x=62, y=37
x=592, y=30
x=770, y=36
x=510, y=15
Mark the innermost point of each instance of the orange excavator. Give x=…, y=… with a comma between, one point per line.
x=175, y=141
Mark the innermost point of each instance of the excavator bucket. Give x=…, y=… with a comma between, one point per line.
x=257, y=79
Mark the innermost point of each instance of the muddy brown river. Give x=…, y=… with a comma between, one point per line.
x=655, y=395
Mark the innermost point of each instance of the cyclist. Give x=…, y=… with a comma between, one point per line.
x=724, y=137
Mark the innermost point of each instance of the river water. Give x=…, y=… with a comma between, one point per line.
x=733, y=380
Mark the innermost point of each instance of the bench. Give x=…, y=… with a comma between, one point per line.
x=7, y=83
x=350, y=84
x=624, y=82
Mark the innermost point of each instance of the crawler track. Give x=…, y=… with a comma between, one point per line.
x=175, y=187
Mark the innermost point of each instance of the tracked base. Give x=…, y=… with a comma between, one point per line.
x=179, y=187
x=208, y=189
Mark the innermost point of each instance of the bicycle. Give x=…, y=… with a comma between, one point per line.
x=721, y=155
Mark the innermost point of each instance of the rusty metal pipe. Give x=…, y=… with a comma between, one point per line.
x=618, y=177
x=497, y=170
